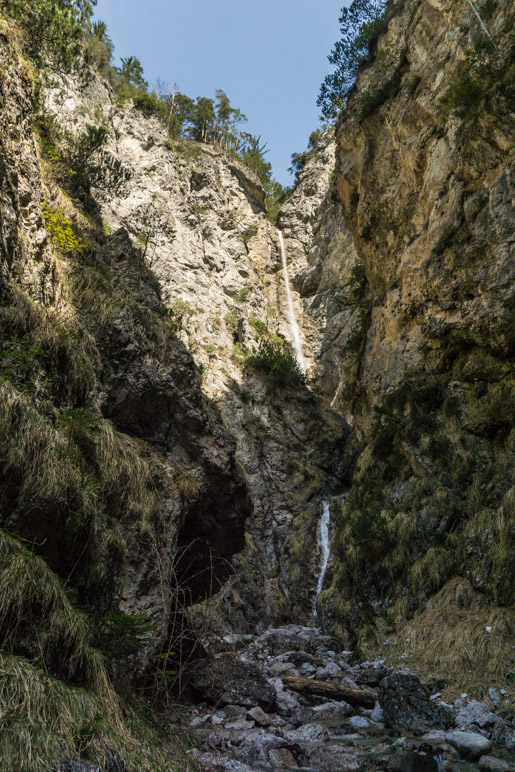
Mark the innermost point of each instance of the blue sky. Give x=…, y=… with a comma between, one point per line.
x=269, y=56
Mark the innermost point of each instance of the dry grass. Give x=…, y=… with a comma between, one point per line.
x=44, y=721
x=450, y=637
x=72, y=465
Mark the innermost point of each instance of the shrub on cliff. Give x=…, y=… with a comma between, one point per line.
x=53, y=28
x=274, y=357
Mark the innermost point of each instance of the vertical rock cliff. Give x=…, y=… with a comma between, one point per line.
x=406, y=267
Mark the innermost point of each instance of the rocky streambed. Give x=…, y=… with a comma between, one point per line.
x=292, y=699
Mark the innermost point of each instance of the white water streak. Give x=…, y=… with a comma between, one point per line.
x=297, y=343
x=325, y=549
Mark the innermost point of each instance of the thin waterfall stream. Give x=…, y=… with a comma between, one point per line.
x=297, y=343
x=325, y=549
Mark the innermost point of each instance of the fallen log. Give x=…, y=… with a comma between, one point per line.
x=358, y=698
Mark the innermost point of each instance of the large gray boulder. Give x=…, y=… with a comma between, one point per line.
x=406, y=705
x=470, y=745
x=228, y=681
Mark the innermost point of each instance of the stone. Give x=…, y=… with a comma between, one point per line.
x=258, y=715
x=359, y=722
x=412, y=762
x=331, y=757
x=503, y=734
x=406, y=705
x=469, y=745
x=475, y=715
x=370, y=673
x=227, y=680
x=492, y=764
x=235, y=642
x=309, y=733
x=494, y=697
x=74, y=765
x=331, y=670
x=331, y=710
x=240, y=724
x=377, y=715
x=282, y=758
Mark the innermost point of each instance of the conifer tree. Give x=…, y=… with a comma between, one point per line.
x=358, y=23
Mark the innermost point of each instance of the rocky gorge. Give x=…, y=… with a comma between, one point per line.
x=167, y=507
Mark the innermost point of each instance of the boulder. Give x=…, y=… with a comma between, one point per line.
x=337, y=758
x=359, y=722
x=475, y=715
x=470, y=745
x=491, y=764
x=308, y=733
x=258, y=715
x=226, y=680
x=406, y=705
x=412, y=762
x=331, y=710
x=282, y=758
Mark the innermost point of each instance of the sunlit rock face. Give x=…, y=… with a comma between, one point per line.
x=404, y=262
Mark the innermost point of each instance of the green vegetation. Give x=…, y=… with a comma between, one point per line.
x=274, y=358
x=358, y=279
x=360, y=24
x=431, y=497
x=52, y=29
x=484, y=76
x=259, y=326
x=60, y=230
x=249, y=233
x=232, y=318
x=299, y=160
x=243, y=295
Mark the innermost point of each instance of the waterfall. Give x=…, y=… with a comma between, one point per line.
x=297, y=343
x=325, y=549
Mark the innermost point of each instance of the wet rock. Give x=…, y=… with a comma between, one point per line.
x=412, y=762
x=309, y=733
x=227, y=680
x=469, y=745
x=491, y=764
x=405, y=704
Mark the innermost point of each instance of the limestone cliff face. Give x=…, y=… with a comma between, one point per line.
x=114, y=463
x=406, y=267
x=189, y=273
